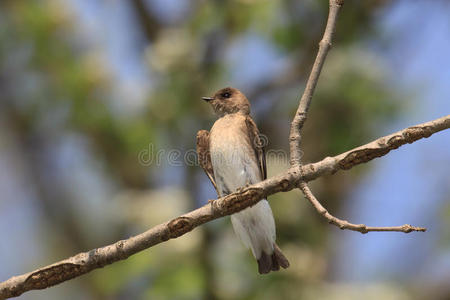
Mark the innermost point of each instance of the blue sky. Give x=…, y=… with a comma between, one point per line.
x=396, y=190
x=409, y=185
x=406, y=186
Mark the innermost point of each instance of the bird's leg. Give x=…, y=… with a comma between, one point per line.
x=242, y=188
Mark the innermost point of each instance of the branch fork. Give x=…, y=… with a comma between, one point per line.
x=296, y=177
x=300, y=118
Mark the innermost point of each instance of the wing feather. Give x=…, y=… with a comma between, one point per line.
x=204, y=155
x=258, y=145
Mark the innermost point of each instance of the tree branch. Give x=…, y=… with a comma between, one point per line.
x=374, y=149
x=300, y=118
x=97, y=258
x=305, y=101
x=343, y=224
x=296, y=176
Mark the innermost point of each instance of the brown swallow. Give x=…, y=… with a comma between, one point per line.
x=232, y=155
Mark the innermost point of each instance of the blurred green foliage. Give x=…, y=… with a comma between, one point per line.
x=187, y=60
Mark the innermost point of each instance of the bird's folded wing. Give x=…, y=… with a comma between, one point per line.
x=204, y=155
x=258, y=145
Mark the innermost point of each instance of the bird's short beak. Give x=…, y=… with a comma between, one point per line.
x=207, y=99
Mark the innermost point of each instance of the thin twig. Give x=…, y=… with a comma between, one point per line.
x=97, y=258
x=343, y=224
x=305, y=101
x=300, y=118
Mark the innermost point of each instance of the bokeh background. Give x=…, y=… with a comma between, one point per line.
x=95, y=94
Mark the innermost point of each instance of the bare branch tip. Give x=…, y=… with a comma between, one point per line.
x=410, y=228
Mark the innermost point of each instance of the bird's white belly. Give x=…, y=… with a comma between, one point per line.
x=235, y=168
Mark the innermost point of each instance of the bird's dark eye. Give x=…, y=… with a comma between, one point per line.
x=226, y=95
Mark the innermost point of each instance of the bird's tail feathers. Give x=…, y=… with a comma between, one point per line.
x=273, y=262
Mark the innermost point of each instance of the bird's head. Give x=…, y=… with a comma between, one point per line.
x=228, y=101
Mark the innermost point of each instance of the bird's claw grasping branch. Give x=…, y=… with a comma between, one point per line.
x=297, y=175
x=97, y=258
